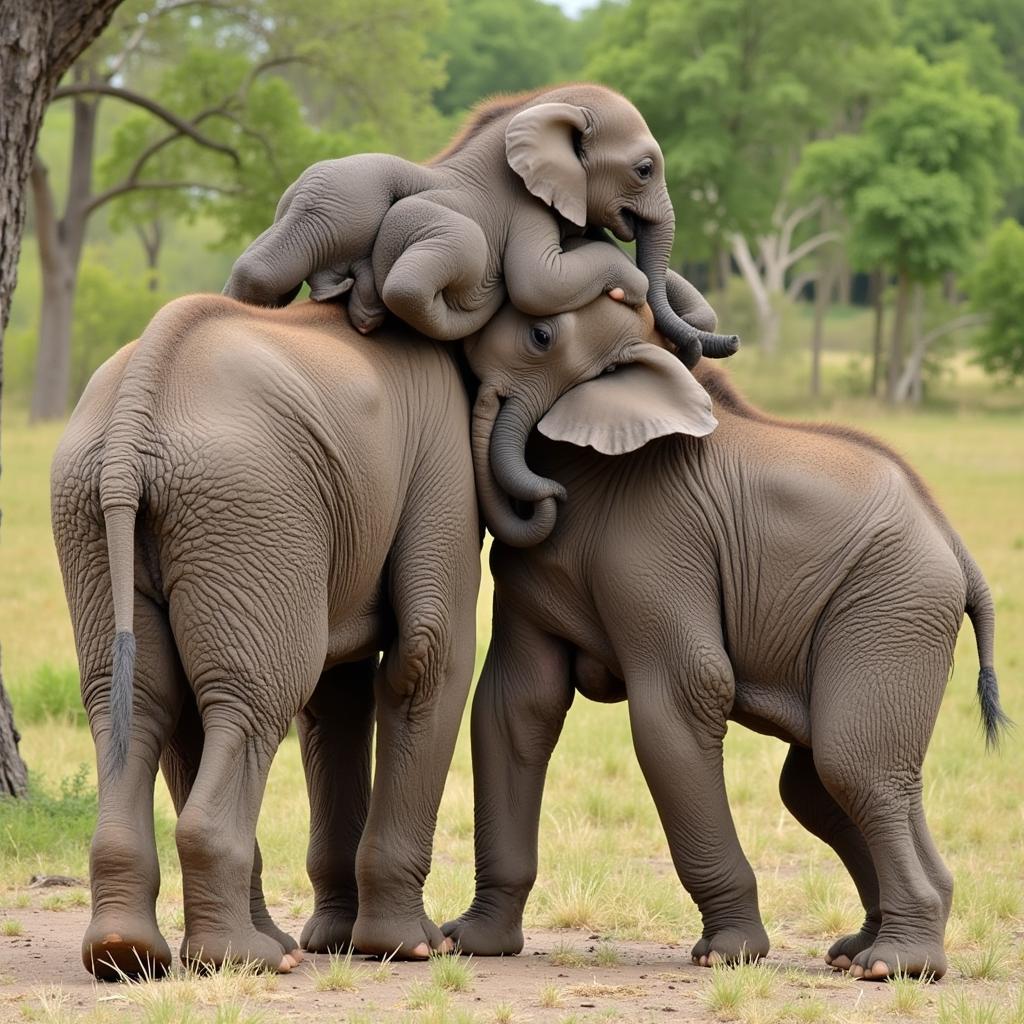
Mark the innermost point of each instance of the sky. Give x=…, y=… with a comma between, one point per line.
x=573, y=7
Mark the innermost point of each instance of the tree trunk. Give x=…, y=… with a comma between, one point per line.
x=878, y=304
x=151, y=237
x=60, y=252
x=822, y=296
x=909, y=387
x=39, y=41
x=899, y=326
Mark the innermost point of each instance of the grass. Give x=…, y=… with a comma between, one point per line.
x=341, y=974
x=604, y=863
x=452, y=973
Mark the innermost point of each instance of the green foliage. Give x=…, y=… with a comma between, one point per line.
x=49, y=693
x=732, y=89
x=54, y=826
x=997, y=287
x=920, y=183
x=492, y=46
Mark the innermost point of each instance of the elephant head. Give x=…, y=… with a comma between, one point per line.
x=597, y=163
x=599, y=376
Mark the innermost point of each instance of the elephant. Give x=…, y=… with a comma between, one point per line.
x=253, y=503
x=711, y=564
x=438, y=244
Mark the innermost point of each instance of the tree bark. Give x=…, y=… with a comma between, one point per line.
x=822, y=297
x=39, y=41
x=899, y=330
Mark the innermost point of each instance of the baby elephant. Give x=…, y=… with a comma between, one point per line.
x=797, y=579
x=439, y=243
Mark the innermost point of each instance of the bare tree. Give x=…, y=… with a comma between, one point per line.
x=39, y=41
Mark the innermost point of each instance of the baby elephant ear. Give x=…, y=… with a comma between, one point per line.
x=619, y=412
x=539, y=148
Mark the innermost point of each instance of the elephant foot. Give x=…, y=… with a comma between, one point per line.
x=484, y=936
x=842, y=951
x=247, y=946
x=328, y=931
x=886, y=957
x=731, y=946
x=403, y=939
x=263, y=922
x=116, y=947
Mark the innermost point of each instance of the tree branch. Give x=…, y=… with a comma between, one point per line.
x=139, y=186
x=129, y=96
x=796, y=286
x=806, y=248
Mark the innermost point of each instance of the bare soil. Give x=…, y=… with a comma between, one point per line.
x=651, y=982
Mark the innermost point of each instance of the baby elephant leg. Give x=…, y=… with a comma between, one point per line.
x=271, y=270
x=436, y=269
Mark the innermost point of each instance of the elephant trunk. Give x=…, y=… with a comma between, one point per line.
x=653, y=246
x=502, y=474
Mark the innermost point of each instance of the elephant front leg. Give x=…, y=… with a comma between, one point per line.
x=336, y=733
x=520, y=705
x=678, y=725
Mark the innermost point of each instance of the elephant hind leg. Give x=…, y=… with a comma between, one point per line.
x=868, y=754
x=180, y=764
x=436, y=269
x=814, y=807
x=123, y=937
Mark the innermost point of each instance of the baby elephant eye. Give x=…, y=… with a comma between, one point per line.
x=540, y=336
x=645, y=169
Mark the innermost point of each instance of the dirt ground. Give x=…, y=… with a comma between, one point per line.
x=650, y=982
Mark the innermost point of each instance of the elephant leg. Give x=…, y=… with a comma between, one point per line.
x=420, y=691
x=871, y=765
x=252, y=666
x=436, y=270
x=180, y=764
x=813, y=806
x=336, y=736
x=124, y=870
x=271, y=270
x=678, y=724
x=519, y=707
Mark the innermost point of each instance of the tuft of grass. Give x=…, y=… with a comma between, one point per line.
x=987, y=964
x=425, y=996
x=607, y=955
x=382, y=970
x=341, y=974
x=734, y=988
x=10, y=927
x=551, y=997
x=50, y=693
x=596, y=989
x=959, y=1008
x=451, y=972
x=908, y=995
x=565, y=954
x=504, y=1013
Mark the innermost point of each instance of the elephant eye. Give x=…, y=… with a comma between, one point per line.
x=644, y=169
x=541, y=337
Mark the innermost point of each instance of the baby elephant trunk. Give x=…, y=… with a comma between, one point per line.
x=653, y=245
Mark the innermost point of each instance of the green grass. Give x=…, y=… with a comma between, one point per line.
x=604, y=863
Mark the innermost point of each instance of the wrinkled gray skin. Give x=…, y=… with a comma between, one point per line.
x=256, y=502
x=796, y=579
x=438, y=244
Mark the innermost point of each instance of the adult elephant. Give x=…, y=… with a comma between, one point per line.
x=797, y=579
x=253, y=503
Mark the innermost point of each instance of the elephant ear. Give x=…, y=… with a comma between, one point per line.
x=619, y=412
x=539, y=148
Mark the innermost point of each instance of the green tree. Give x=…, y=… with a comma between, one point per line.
x=919, y=186
x=733, y=89
x=224, y=89
x=996, y=289
x=492, y=46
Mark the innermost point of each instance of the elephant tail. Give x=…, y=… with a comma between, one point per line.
x=981, y=610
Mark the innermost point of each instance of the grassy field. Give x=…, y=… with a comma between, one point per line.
x=605, y=873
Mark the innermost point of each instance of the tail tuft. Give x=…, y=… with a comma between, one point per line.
x=121, y=697
x=996, y=720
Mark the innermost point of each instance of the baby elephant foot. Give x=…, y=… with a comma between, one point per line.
x=731, y=946
x=482, y=935
x=328, y=931
x=114, y=948
x=251, y=947
x=842, y=951
x=413, y=939
x=885, y=957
